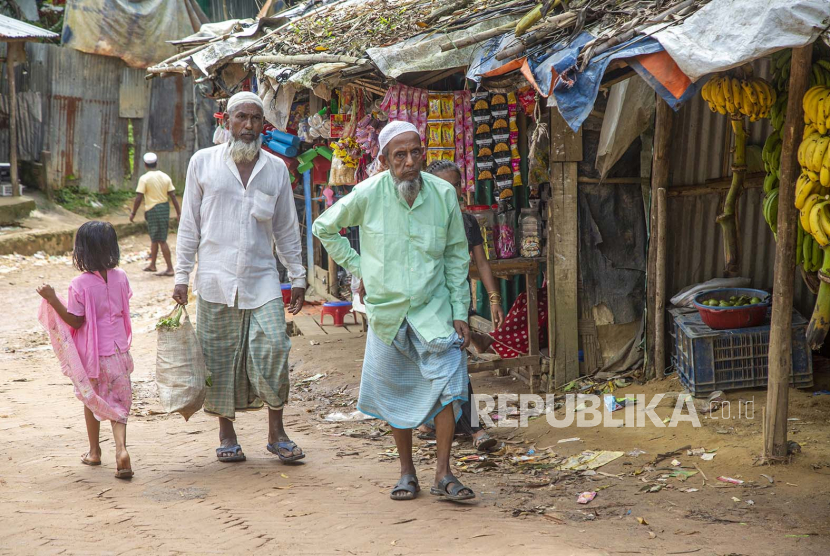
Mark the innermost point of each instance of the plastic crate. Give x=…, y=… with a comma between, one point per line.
x=707, y=360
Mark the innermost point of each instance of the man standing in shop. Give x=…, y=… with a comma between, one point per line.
x=155, y=189
x=413, y=262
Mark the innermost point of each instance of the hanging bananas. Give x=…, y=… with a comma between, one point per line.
x=752, y=97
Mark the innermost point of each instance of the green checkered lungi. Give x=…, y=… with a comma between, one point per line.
x=246, y=352
x=158, y=222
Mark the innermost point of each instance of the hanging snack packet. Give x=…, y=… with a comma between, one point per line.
x=433, y=155
x=434, y=107
x=447, y=108
x=501, y=133
x=448, y=134
x=502, y=154
x=434, y=134
x=423, y=107
x=394, y=101
x=485, y=163
x=448, y=154
x=504, y=177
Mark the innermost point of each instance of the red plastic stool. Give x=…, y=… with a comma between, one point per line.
x=337, y=310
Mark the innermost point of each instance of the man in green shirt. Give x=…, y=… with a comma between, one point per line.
x=413, y=263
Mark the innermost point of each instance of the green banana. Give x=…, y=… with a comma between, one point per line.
x=799, y=245
x=817, y=256
x=820, y=321
x=807, y=250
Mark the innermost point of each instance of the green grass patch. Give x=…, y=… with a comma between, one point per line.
x=91, y=204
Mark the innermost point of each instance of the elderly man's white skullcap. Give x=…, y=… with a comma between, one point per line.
x=392, y=130
x=242, y=98
x=150, y=158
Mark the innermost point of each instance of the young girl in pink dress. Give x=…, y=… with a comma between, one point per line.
x=91, y=336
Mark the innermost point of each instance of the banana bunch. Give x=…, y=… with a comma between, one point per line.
x=820, y=74
x=808, y=253
x=728, y=95
x=816, y=105
x=780, y=68
x=771, y=155
x=814, y=156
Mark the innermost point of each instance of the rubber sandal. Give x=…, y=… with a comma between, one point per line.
x=124, y=474
x=235, y=451
x=427, y=435
x=485, y=443
x=288, y=446
x=86, y=461
x=408, y=484
x=452, y=492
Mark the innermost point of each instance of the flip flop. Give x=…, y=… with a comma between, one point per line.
x=427, y=435
x=86, y=461
x=124, y=474
x=235, y=452
x=407, y=484
x=288, y=446
x=485, y=443
x=452, y=492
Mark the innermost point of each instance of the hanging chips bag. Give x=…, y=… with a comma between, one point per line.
x=394, y=103
x=448, y=154
x=447, y=107
x=434, y=134
x=434, y=107
x=433, y=155
x=423, y=108
x=448, y=134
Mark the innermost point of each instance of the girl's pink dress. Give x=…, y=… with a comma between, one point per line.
x=96, y=357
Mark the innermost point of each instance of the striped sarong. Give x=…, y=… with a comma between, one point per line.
x=246, y=352
x=411, y=381
x=158, y=222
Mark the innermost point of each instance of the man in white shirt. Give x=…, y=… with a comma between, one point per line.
x=237, y=198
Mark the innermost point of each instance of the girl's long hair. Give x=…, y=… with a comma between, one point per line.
x=96, y=247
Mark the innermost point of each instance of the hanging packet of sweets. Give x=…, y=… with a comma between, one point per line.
x=469, y=142
x=423, y=107
x=447, y=107
x=434, y=134
x=412, y=96
x=434, y=155
x=448, y=154
x=434, y=112
x=394, y=103
x=448, y=134
x=387, y=99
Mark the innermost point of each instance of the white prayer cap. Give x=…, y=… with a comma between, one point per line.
x=392, y=130
x=150, y=158
x=243, y=97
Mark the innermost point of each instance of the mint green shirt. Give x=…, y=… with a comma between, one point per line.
x=413, y=261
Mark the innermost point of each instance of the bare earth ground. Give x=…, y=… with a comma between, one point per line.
x=183, y=501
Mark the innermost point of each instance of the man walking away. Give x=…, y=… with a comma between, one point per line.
x=155, y=188
x=238, y=199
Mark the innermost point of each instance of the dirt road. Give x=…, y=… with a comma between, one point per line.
x=182, y=501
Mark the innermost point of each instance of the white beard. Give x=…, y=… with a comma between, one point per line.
x=242, y=152
x=408, y=189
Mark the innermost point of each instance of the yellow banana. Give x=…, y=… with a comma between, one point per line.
x=818, y=153
x=737, y=96
x=813, y=175
x=803, y=187
x=805, y=212
x=815, y=223
x=812, y=141
x=825, y=220
x=820, y=117
x=751, y=91
x=809, y=130
x=704, y=92
x=808, y=103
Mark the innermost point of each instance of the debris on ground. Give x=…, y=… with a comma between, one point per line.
x=730, y=480
x=586, y=497
x=339, y=416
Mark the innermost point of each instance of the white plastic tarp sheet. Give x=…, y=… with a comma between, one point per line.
x=728, y=33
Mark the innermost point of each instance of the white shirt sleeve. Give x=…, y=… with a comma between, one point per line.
x=189, y=235
x=287, y=233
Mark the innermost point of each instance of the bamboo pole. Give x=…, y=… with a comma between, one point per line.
x=11, y=59
x=660, y=287
x=299, y=59
x=780, y=340
x=663, y=123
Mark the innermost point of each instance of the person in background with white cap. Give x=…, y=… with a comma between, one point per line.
x=155, y=189
x=237, y=198
x=413, y=262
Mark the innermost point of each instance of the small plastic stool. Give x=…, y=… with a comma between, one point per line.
x=286, y=294
x=337, y=310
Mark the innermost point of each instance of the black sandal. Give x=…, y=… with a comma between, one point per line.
x=452, y=492
x=408, y=484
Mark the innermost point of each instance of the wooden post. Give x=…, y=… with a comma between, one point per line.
x=780, y=338
x=13, y=48
x=334, y=283
x=532, y=324
x=663, y=122
x=563, y=239
x=660, y=287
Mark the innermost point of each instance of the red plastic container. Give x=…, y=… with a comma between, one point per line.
x=286, y=294
x=725, y=318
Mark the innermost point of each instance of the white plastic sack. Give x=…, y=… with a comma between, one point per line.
x=180, y=369
x=629, y=113
x=684, y=297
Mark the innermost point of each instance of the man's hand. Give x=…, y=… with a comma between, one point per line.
x=463, y=331
x=47, y=292
x=497, y=313
x=132, y=216
x=180, y=294
x=297, y=300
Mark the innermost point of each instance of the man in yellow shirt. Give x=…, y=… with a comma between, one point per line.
x=154, y=189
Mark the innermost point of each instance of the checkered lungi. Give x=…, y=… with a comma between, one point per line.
x=158, y=222
x=246, y=352
x=411, y=381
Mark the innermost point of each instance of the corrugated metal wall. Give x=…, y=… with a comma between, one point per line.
x=700, y=153
x=87, y=102
x=236, y=9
